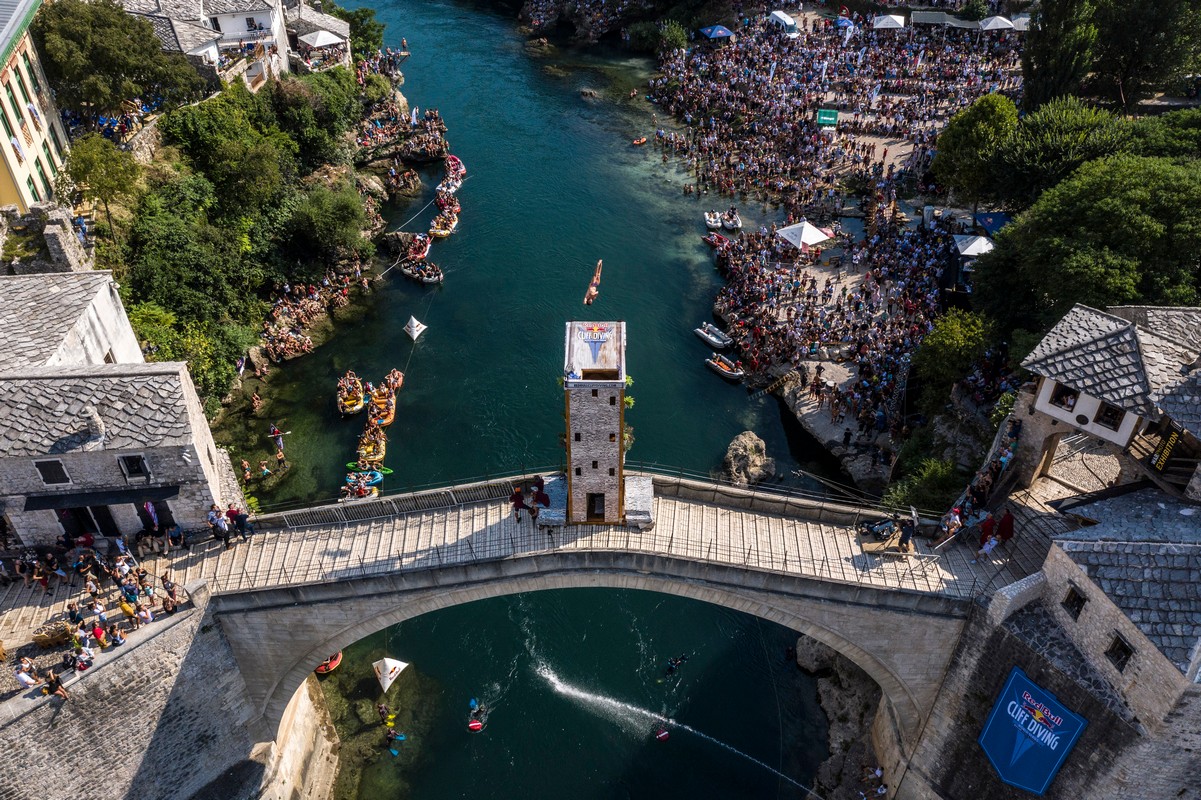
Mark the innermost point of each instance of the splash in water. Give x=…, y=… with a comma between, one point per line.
x=633, y=719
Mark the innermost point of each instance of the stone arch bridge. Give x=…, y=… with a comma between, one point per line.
x=323, y=578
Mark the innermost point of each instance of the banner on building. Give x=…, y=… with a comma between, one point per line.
x=1029, y=734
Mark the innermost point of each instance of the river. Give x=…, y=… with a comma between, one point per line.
x=554, y=183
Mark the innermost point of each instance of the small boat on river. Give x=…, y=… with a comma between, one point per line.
x=330, y=664
x=372, y=452
x=449, y=185
x=424, y=271
x=394, y=380
x=641, y=140
x=715, y=240
x=444, y=224
x=455, y=167
x=369, y=478
x=713, y=335
x=725, y=367
x=350, y=394
x=369, y=493
x=420, y=248
x=713, y=220
x=731, y=221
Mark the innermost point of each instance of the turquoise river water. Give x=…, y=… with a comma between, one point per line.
x=574, y=679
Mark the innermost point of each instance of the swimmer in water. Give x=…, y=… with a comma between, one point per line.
x=594, y=287
x=674, y=664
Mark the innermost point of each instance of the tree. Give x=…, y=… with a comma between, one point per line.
x=672, y=36
x=328, y=223
x=1173, y=135
x=1049, y=144
x=1142, y=46
x=96, y=56
x=974, y=9
x=964, y=159
x=1124, y=229
x=957, y=341
x=933, y=486
x=366, y=32
x=1059, y=50
x=101, y=171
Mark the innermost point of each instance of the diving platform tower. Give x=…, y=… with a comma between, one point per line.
x=594, y=385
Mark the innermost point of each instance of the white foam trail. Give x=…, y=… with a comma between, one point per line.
x=633, y=719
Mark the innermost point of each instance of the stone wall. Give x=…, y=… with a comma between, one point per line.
x=305, y=758
x=144, y=144
x=597, y=422
x=50, y=243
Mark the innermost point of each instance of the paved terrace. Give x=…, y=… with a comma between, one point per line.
x=704, y=521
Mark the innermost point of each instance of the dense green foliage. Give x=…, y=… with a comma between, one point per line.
x=213, y=232
x=1117, y=49
x=98, y=170
x=957, y=341
x=366, y=32
x=96, y=57
x=672, y=36
x=1125, y=229
x=1049, y=144
x=967, y=146
x=1174, y=135
x=934, y=485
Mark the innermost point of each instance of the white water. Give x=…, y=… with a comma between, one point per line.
x=633, y=719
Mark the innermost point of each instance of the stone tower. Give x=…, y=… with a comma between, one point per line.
x=594, y=383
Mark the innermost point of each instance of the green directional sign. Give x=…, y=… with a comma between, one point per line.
x=827, y=118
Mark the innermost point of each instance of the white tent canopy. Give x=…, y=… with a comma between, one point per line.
x=803, y=234
x=995, y=24
x=973, y=245
x=1021, y=22
x=387, y=670
x=414, y=328
x=888, y=22
x=321, y=39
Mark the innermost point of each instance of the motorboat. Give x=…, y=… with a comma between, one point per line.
x=725, y=367
x=713, y=220
x=715, y=239
x=713, y=335
x=731, y=221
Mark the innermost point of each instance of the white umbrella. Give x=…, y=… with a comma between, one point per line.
x=321, y=39
x=803, y=234
x=888, y=22
x=973, y=245
x=388, y=670
x=995, y=24
x=1021, y=22
x=414, y=328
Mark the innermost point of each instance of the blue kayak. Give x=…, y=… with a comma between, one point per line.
x=374, y=477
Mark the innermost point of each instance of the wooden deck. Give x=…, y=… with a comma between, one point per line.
x=485, y=530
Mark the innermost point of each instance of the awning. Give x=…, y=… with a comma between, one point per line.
x=995, y=24
x=803, y=234
x=993, y=221
x=321, y=39
x=890, y=22
x=973, y=245
x=716, y=32
x=113, y=497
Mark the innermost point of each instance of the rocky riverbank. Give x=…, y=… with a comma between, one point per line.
x=849, y=699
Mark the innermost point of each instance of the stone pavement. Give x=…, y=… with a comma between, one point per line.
x=486, y=530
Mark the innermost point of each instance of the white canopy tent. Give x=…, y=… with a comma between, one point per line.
x=973, y=245
x=995, y=24
x=803, y=234
x=322, y=39
x=888, y=22
x=1021, y=22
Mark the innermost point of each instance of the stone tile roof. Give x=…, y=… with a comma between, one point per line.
x=188, y=36
x=215, y=8
x=1145, y=554
x=303, y=20
x=39, y=310
x=1179, y=323
x=1124, y=364
x=141, y=405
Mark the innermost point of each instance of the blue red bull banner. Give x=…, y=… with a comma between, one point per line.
x=1029, y=734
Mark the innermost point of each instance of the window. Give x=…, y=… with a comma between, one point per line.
x=612, y=472
x=21, y=85
x=42, y=174
x=134, y=466
x=12, y=101
x=612, y=400
x=578, y=473
x=1074, y=602
x=595, y=393
x=33, y=73
x=251, y=24
x=594, y=465
x=8, y=126
x=33, y=190
x=577, y=437
x=109, y=358
x=49, y=158
x=612, y=437
x=1109, y=416
x=52, y=472
x=1119, y=653
x=58, y=147
x=1064, y=397
x=215, y=24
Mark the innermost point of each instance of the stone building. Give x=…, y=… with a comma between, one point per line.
x=92, y=438
x=594, y=382
x=35, y=142
x=1131, y=377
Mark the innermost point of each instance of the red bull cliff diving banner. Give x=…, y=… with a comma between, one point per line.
x=1029, y=734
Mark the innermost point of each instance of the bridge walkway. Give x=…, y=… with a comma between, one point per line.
x=486, y=530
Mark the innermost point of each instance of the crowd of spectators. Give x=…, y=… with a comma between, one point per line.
x=296, y=307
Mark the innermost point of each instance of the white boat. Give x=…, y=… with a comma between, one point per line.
x=427, y=272
x=713, y=220
x=414, y=328
x=713, y=335
x=449, y=185
x=731, y=222
x=724, y=367
x=388, y=670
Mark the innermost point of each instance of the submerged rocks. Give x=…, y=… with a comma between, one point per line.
x=746, y=462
